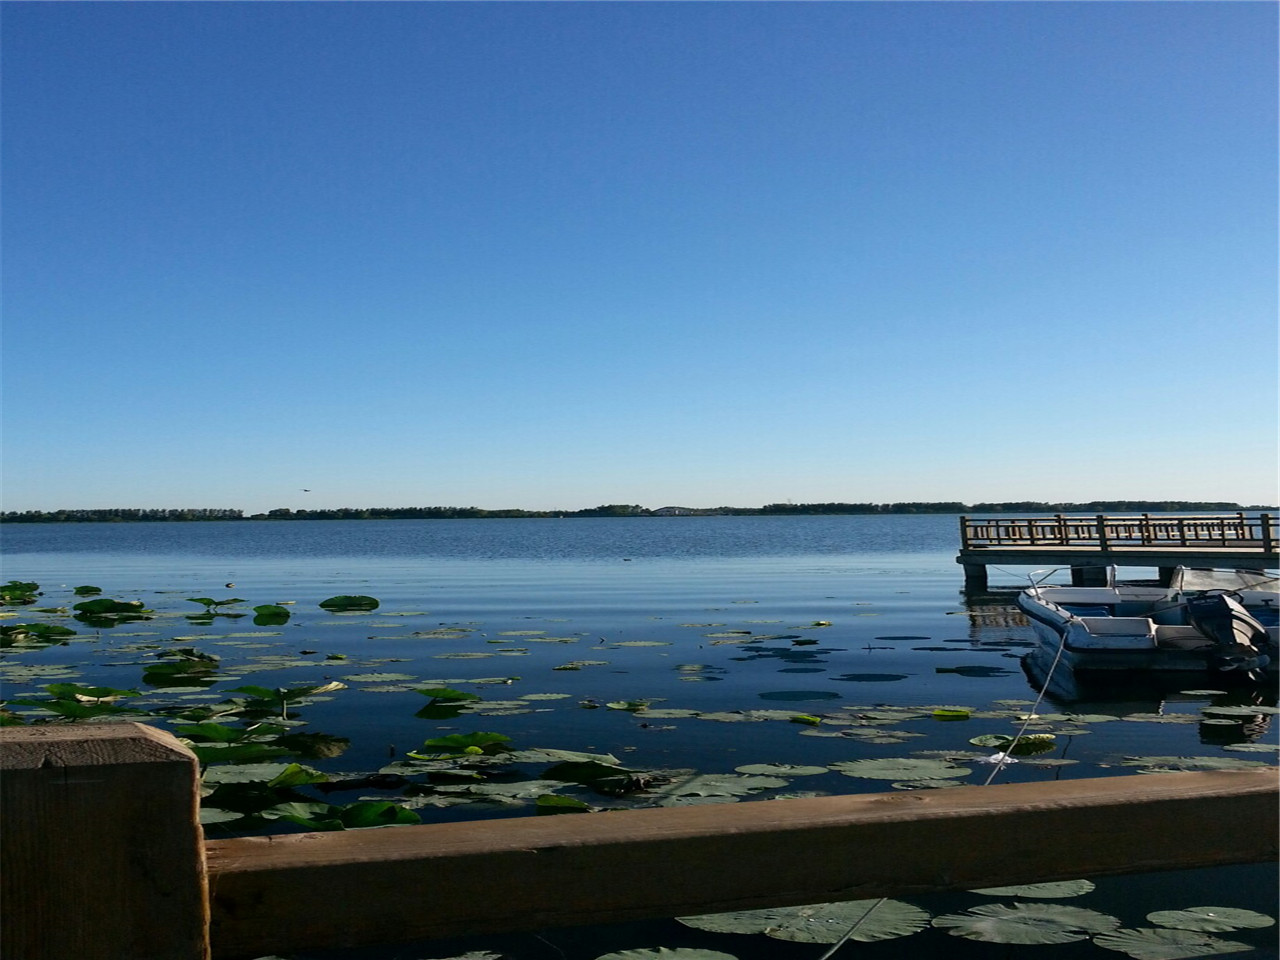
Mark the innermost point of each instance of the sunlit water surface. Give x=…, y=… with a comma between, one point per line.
x=716, y=615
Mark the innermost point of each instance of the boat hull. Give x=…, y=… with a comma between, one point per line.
x=1140, y=629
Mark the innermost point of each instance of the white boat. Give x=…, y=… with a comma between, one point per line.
x=1205, y=621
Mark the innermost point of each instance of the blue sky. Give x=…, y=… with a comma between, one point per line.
x=551, y=255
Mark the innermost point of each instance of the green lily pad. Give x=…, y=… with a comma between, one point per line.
x=1242, y=710
x=780, y=770
x=1149, y=943
x=1055, y=890
x=549, y=803
x=1211, y=919
x=1026, y=923
x=1180, y=764
x=378, y=677
x=273, y=774
x=820, y=922
x=347, y=602
x=900, y=768
x=718, y=785
x=1253, y=747
x=663, y=953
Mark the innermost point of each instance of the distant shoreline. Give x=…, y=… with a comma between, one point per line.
x=205, y=514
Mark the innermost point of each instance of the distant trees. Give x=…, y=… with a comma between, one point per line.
x=1026, y=507
x=121, y=515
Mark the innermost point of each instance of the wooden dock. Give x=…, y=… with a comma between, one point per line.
x=1089, y=545
x=104, y=857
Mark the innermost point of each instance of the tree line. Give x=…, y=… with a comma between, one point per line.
x=130, y=515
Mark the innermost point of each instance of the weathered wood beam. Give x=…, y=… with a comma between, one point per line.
x=102, y=856
x=368, y=886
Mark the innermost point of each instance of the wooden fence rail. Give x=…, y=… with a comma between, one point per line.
x=103, y=858
x=1089, y=545
x=1237, y=531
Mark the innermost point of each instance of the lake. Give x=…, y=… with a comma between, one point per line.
x=684, y=648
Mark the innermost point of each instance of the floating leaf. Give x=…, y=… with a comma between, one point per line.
x=1059, y=889
x=19, y=592
x=900, y=768
x=820, y=922
x=974, y=671
x=1027, y=745
x=550, y=803
x=1180, y=764
x=272, y=774
x=447, y=694
x=1250, y=710
x=459, y=743
x=663, y=953
x=14, y=633
x=871, y=677
x=379, y=677
x=347, y=602
x=719, y=785
x=1026, y=923
x=271, y=615
x=1211, y=919
x=105, y=606
x=780, y=770
x=1148, y=943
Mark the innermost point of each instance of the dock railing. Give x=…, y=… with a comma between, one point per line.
x=1236, y=531
x=104, y=857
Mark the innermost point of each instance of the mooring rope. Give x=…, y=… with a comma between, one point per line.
x=1001, y=760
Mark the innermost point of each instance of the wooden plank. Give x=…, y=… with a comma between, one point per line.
x=103, y=856
x=276, y=894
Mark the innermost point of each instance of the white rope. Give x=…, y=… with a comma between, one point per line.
x=1004, y=760
x=849, y=933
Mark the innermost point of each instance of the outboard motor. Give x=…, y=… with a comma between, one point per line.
x=1239, y=639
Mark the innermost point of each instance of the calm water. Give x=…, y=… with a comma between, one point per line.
x=716, y=615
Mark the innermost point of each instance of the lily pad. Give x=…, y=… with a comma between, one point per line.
x=781, y=770
x=1149, y=943
x=718, y=785
x=1026, y=923
x=900, y=768
x=346, y=602
x=663, y=953
x=820, y=922
x=1055, y=890
x=1180, y=764
x=871, y=677
x=1211, y=919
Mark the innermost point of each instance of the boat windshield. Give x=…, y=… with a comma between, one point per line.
x=1191, y=579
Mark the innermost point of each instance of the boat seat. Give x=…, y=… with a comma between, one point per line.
x=1181, y=638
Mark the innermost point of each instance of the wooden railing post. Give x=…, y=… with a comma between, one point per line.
x=964, y=533
x=1102, y=531
x=103, y=856
x=1268, y=533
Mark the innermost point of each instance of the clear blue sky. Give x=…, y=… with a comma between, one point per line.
x=551, y=255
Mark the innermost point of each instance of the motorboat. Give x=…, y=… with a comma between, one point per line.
x=1223, y=622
